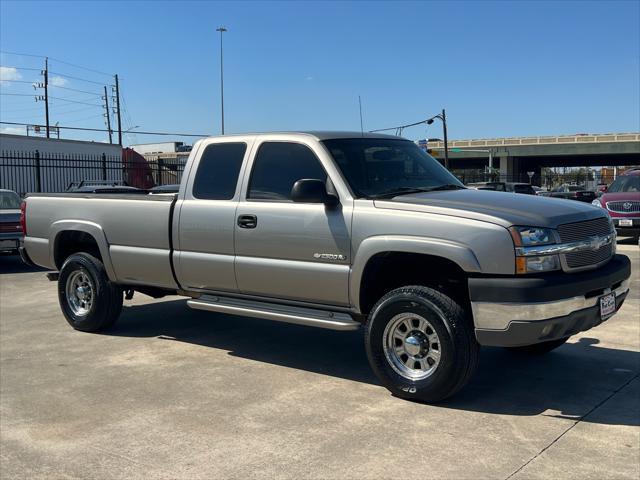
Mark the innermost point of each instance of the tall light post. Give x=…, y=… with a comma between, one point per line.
x=443, y=116
x=221, y=29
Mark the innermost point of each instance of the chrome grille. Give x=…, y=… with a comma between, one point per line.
x=573, y=232
x=624, y=206
x=586, y=258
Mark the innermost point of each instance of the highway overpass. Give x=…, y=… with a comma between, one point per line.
x=515, y=156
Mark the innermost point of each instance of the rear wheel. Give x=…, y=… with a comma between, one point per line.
x=420, y=343
x=539, y=348
x=89, y=301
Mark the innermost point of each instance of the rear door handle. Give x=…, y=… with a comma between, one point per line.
x=247, y=221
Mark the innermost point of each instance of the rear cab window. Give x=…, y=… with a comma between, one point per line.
x=218, y=171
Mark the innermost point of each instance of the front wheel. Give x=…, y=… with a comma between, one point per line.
x=89, y=300
x=421, y=344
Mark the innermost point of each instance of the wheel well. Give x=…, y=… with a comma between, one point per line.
x=390, y=270
x=73, y=241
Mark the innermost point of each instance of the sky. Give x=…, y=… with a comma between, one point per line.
x=498, y=68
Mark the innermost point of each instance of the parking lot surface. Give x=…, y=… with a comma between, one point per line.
x=174, y=393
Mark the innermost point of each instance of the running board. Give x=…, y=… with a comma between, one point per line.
x=273, y=311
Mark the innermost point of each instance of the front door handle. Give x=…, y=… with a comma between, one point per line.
x=247, y=221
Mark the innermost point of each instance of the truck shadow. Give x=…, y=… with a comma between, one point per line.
x=12, y=263
x=565, y=383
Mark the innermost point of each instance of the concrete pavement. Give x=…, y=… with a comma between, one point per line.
x=176, y=393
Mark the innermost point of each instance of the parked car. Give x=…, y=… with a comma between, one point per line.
x=572, y=192
x=341, y=230
x=539, y=190
x=495, y=186
x=524, y=188
x=622, y=202
x=10, y=229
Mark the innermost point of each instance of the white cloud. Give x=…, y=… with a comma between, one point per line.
x=58, y=81
x=9, y=73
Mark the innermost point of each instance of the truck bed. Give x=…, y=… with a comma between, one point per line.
x=134, y=228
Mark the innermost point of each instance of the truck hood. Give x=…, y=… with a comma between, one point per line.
x=501, y=208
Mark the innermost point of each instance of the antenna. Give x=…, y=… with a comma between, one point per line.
x=360, y=105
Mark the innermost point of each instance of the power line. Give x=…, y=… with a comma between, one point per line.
x=21, y=54
x=76, y=90
x=20, y=81
x=104, y=130
x=55, y=60
x=18, y=94
x=21, y=68
x=74, y=101
x=76, y=78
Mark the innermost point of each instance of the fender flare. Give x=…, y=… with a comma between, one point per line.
x=458, y=253
x=90, y=228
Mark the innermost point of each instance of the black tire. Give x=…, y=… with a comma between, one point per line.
x=106, y=297
x=459, y=350
x=539, y=348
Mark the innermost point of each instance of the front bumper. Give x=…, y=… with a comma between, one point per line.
x=632, y=230
x=514, y=311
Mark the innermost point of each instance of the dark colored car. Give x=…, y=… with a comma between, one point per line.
x=572, y=192
x=524, y=188
x=10, y=230
x=622, y=201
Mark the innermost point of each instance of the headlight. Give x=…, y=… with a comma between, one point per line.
x=530, y=236
x=526, y=239
x=596, y=203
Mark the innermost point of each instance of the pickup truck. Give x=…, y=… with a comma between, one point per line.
x=343, y=231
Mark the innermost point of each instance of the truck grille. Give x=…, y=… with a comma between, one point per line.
x=584, y=259
x=624, y=206
x=574, y=232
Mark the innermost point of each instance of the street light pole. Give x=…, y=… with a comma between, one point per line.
x=446, y=144
x=221, y=29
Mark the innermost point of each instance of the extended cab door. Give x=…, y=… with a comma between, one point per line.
x=287, y=250
x=204, y=250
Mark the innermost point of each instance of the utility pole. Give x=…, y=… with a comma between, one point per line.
x=118, y=111
x=446, y=144
x=221, y=29
x=106, y=113
x=46, y=93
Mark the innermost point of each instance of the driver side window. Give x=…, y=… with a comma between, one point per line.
x=277, y=166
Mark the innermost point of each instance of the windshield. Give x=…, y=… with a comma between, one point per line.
x=9, y=201
x=627, y=183
x=375, y=167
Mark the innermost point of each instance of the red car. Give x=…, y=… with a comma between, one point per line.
x=622, y=201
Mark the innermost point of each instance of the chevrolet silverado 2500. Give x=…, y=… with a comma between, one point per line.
x=342, y=231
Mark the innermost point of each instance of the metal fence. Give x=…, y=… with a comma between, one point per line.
x=33, y=171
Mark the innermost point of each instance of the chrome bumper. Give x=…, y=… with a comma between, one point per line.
x=498, y=316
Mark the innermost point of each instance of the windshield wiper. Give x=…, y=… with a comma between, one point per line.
x=446, y=186
x=399, y=191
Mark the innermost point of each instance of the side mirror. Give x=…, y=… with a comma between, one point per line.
x=309, y=190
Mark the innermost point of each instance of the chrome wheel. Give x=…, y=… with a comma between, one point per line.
x=411, y=346
x=80, y=292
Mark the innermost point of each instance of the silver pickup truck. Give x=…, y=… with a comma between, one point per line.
x=342, y=231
